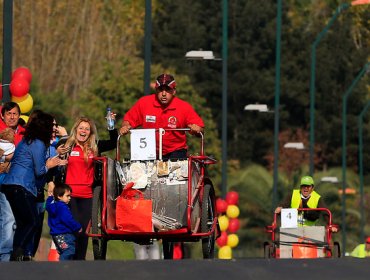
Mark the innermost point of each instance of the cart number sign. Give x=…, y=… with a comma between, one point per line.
x=143, y=144
x=289, y=218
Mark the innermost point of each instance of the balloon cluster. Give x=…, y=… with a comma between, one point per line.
x=229, y=224
x=19, y=88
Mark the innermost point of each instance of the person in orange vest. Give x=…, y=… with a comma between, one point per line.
x=362, y=250
x=305, y=197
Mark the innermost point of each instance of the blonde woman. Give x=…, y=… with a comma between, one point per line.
x=84, y=147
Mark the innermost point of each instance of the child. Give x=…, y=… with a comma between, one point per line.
x=7, y=148
x=61, y=222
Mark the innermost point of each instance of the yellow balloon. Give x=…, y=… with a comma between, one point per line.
x=225, y=253
x=232, y=211
x=223, y=221
x=17, y=99
x=232, y=240
x=26, y=104
x=24, y=117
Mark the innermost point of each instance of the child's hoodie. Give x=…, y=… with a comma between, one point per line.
x=60, y=219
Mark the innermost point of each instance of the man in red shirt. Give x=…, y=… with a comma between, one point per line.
x=10, y=113
x=164, y=110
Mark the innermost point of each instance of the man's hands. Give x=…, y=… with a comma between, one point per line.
x=278, y=209
x=195, y=129
x=125, y=128
x=334, y=228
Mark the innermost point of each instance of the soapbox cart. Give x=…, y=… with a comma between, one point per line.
x=302, y=241
x=182, y=195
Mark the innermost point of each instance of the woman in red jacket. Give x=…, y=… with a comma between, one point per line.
x=80, y=173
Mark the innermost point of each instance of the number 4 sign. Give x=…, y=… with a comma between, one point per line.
x=143, y=144
x=289, y=218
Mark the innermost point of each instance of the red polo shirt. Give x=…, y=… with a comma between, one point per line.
x=80, y=174
x=147, y=112
x=18, y=135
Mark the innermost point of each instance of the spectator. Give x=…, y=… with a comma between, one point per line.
x=10, y=113
x=9, y=117
x=19, y=186
x=6, y=215
x=61, y=222
x=84, y=146
x=58, y=131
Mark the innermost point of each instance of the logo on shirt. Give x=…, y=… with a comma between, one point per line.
x=150, y=119
x=172, y=122
x=75, y=154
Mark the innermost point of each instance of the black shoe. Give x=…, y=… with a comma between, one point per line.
x=17, y=255
x=27, y=258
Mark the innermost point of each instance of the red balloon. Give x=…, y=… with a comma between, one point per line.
x=22, y=73
x=234, y=225
x=222, y=240
x=221, y=205
x=19, y=87
x=232, y=198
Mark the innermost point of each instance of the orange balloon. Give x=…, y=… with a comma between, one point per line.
x=17, y=99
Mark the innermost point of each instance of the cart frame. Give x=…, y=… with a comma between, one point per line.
x=329, y=248
x=205, y=229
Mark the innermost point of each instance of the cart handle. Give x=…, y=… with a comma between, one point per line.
x=330, y=225
x=162, y=131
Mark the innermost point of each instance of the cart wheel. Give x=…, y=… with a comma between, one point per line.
x=99, y=243
x=267, y=250
x=335, y=253
x=207, y=219
x=167, y=250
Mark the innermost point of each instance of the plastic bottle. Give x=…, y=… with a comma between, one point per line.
x=110, y=120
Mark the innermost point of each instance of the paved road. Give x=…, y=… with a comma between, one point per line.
x=246, y=269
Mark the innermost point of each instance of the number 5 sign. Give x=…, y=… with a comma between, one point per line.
x=143, y=144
